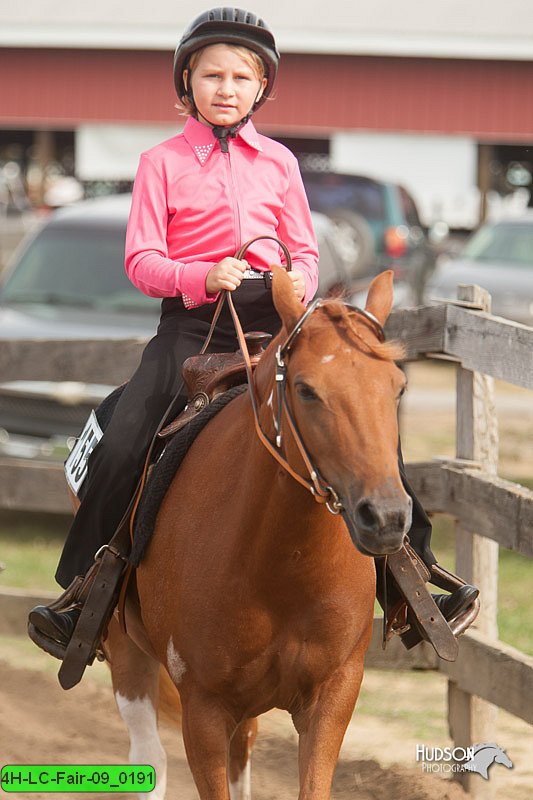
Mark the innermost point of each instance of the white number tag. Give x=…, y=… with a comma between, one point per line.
x=76, y=463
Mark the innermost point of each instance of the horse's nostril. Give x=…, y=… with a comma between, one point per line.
x=367, y=515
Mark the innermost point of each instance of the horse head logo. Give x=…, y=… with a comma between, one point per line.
x=484, y=756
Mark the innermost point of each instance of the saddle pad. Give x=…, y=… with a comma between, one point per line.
x=164, y=470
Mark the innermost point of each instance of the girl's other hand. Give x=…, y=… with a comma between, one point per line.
x=227, y=274
x=298, y=283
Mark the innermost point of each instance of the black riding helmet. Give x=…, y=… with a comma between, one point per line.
x=228, y=26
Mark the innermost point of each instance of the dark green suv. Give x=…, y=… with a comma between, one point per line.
x=378, y=226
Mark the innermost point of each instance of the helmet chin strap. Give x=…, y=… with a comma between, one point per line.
x=222, y=132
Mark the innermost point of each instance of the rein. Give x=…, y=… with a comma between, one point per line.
x=321, y=491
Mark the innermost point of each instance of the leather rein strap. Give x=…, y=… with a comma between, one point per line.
x=321, y=491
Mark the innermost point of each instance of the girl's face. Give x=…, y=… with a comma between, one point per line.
x=225, y=86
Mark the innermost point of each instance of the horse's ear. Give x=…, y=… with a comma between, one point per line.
x=380, y=296
x=289, y=308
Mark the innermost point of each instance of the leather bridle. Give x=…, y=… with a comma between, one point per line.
x=321, y=491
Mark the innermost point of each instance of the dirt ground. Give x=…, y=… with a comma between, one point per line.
x=42, y=724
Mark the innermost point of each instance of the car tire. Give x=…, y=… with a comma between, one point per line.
x=355, y=241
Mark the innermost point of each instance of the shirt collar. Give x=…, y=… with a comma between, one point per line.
x=202, y=142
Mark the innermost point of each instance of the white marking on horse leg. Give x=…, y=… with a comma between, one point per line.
x=175, y=664
x=242, y=788
x=145, y=745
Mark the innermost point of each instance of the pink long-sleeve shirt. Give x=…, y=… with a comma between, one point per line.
x=193, y=205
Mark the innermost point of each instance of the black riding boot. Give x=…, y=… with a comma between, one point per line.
x=461, y=595
x=51, y=627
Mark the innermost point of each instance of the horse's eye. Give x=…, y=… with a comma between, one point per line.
x=305, y=391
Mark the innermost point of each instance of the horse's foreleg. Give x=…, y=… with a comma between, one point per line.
x=240, y=760
x=136, y=686
x=321, y=728
x=207, y=730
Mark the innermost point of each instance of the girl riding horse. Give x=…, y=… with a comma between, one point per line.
x=196, y=198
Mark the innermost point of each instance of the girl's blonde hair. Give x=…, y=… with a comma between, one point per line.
x=185, y=106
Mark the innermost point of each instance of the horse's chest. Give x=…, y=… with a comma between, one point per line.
x=303, y=652
x=319, y=637
x=300, y=658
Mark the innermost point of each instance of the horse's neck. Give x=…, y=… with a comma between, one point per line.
x=296, y=519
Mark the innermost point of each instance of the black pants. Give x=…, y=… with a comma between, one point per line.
x=116, y=463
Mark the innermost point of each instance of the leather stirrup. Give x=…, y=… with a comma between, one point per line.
x=94, y=617
x=422, y=605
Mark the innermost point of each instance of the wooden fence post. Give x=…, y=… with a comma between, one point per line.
x=472, y=720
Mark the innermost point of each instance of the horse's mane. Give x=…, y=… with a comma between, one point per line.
x=339, y=311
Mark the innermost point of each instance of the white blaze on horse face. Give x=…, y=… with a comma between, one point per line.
x=175, y=664
x=145, y=745
x=327, y=359
x=242, y=788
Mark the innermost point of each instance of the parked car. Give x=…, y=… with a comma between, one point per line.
x=498, y=257
x=68, y=281
x=377, y=224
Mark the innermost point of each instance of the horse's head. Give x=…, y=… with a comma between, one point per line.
x=486, y=754
x=343, y=387
x=501, y=757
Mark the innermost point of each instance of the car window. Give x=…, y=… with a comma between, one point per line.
x=327, y=191
x=409, y=209
x=75, y=267
x=502, y=243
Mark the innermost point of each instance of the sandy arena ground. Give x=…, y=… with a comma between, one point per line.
x=40, y=723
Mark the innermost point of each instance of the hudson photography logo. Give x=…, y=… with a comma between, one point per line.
x=478, y=758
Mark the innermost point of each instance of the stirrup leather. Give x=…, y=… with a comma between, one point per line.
x=410, y=575
x=96, y=612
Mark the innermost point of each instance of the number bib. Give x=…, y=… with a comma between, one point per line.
x=76, y=464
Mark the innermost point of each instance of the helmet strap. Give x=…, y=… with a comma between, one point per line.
x=224, y=133
x=221, y=132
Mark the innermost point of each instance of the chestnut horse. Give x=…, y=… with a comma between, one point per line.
x=251, y=594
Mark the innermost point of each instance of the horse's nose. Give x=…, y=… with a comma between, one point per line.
x=383, y=525
x=372, y=518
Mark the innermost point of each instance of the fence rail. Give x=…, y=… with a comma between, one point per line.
x=479, y=341
x=489, y=511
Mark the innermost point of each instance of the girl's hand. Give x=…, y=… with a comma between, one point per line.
x=298, y=283
x=227, y=274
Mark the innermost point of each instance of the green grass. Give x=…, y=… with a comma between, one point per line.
x=523, y=481
x=405, y=697
x=515, y=621
x=30, y=547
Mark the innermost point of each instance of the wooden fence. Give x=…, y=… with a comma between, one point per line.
x=488, y=510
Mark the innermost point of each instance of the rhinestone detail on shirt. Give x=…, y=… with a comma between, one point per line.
x=202, y=151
